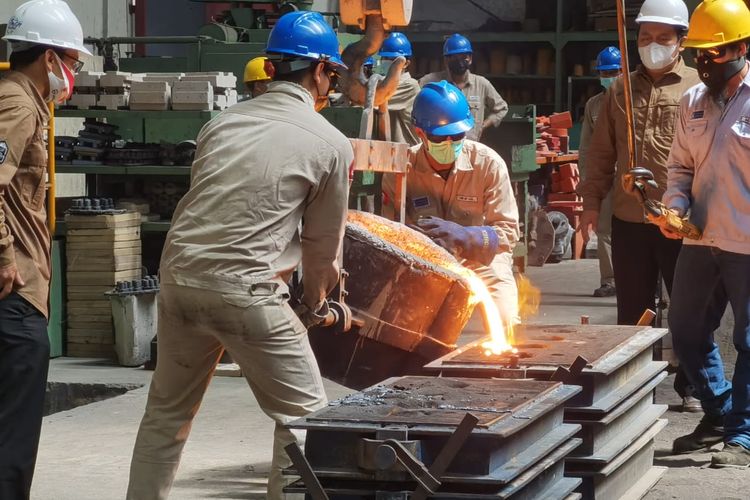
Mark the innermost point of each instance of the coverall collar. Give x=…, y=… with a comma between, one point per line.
x=294, y=90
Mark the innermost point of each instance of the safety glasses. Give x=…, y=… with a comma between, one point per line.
x=77, y=64
x=443, y=138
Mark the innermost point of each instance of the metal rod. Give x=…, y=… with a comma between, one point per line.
x=627, y=84
x=312, y=485
x=146, y=39
x=647, y=317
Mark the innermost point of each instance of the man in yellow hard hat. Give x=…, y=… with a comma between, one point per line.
x=46, y=40
x=709, y=179
x=258, y=74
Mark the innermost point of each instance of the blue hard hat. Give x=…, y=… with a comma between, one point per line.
x=305, y=34
x=609, y=59
x=441, y=109
x=395, y=45
x=457, y=44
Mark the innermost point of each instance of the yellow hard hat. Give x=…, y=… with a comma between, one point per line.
x=718, y=22
x=255, y=70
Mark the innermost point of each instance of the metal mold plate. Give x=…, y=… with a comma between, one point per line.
x=545, y=347
x=545, y=480
x=429, y=401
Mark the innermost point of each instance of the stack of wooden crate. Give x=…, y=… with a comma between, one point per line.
x=100, y=251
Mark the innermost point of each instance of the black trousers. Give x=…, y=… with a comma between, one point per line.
x=639, y=253
x=24, y=359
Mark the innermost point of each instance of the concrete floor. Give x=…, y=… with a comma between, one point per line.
x=85, y=452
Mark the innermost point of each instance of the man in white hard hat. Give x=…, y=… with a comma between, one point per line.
x=640, y=253
x=46, y=41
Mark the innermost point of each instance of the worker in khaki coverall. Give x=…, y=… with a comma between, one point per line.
x=608, y=64
x=487, y=107
x=639, y=251
x=260, y=168
x=46, y=41
x=459, y=191
x=400, y=104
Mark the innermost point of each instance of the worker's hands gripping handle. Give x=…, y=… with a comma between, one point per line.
x=311, y=318
x=476, y=243
x=670, y=222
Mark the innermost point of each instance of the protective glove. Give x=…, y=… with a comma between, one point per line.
x=309, y=317
x=475, y=243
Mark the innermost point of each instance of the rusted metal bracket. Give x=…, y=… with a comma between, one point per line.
x=313, y=486
x=568, y=375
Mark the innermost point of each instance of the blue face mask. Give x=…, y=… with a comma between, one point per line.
x=607, y=82
x=445, y=152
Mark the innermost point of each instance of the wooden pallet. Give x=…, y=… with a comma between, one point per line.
x=128, y=219
x=81, y=350
x=102, y=277
x=83, y=261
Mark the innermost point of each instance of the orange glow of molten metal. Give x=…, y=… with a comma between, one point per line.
x=501, y=333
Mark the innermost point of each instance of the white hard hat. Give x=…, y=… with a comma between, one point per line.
x=45, y=22
x=673, y=12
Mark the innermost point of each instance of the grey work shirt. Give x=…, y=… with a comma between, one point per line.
x=484, y=100
x=709, y=167
x=260, y=167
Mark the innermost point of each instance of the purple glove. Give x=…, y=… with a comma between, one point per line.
x=475, y=243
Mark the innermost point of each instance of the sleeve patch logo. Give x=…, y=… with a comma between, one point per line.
x=697, y=115
x=470, y=199
x=3, y=151
x=421, y=202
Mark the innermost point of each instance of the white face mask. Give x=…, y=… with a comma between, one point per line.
x=59, y=88
x=656, y=56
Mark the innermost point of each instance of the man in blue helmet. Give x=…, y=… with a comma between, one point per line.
x=458, y=191
x=261, y=167
x=400, y=105
x=609, y=66
x=487, y=107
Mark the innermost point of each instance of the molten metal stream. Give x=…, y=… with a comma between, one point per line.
x=417, y=244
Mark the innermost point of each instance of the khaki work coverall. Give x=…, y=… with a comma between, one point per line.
x=478, y=192
x=604, y=227
x=260, y=167
x=483, y=99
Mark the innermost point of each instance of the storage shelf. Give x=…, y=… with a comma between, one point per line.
x=126, y=113
x=519, y=77
x=521, y=36
x=161, y=226
x=123, y=169
x=480, y=37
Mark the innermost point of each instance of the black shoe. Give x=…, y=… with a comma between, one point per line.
x=733, y=455
x=708, y=432
x=605, y=290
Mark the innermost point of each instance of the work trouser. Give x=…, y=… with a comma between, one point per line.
x=263, y=336
x=706, y=280
x=24, y=360
x=604, y=243
x=639, y=253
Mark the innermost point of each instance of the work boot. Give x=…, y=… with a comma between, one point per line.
x=708, y=432
x=733, y=455
x=606, y=290
x=691, y=405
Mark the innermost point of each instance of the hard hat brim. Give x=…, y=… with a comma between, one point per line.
x=453, y=128
x=48, y=43
x=706, y=44
x=392, y=55
x=608, y=67
x=459, y=51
